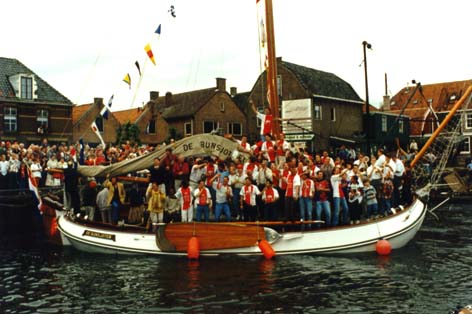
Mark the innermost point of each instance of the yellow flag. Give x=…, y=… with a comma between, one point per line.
x=148, y=50
x=127, y=80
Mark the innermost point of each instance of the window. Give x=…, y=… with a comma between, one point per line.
x=332, y=111
x=384, y=124
x=42, y=118
x=151, y=128
x=188, y=128
x=400, y=126
x=235, y=128
x=10, y=119
x=210, y=126
x=465, y=146
x=468, y=121
x=26, y=87
x=222, y=107
x=99, y=123
x=317, y=112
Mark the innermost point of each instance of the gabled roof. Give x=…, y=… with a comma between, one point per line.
x=130, y=115
x=322, y=83
x=441, y=96
x=185, y=104
x=241, y=100
x=45, y=92
x=79, y=111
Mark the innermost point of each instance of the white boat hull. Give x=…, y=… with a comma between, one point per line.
x=398, y=229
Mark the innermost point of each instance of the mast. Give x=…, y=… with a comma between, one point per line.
x=272, y=69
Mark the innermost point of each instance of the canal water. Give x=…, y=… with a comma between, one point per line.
x=433, y=274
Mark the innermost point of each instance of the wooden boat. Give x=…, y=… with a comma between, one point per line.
x=242, y=238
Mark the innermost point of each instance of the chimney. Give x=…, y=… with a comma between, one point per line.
x=221, y=84
x=386, y=97
x=168, y=99
x=153, y=95
x=386, y=103
x=98, y=102
x=233, y=91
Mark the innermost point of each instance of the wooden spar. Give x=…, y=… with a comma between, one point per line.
x=272, y=70
x=441, y=126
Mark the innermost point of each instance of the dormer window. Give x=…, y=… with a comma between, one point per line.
x=26, y=88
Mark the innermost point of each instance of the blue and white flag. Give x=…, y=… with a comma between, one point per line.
x=106, y=108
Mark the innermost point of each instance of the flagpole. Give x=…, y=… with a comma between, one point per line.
x=139, y=82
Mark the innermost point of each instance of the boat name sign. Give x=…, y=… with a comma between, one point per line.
x=99, y=235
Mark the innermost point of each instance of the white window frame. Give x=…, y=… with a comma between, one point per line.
x=26, y=87
x=215, y=123
x=401, y=126
x=230, y=128
x=468, y=121
x=467, y=140
x=315, y=115
x=384, y=124
x=10, y=114
x=148, y=128
x=41, y=118
x=191, y=128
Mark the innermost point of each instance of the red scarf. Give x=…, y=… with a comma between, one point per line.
x=269, y=195
x=270, y=150
x=247, y=194
x=203, y=199
x=290, y=178
x=306, y=188
x=267, y=124
x=210, y=172
x=186, y=198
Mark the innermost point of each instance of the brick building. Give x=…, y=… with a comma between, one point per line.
x=434, y=100
x=30, y=108
x=84, y=115
x=184, y=114
x=336, y=107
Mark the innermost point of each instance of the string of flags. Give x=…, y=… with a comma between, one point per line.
x=127, y=78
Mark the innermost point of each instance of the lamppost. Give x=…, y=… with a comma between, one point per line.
x=367, y=111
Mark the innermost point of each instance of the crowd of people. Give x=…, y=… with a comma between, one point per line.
x=278, y=182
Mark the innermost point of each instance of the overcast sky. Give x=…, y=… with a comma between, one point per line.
x=85, y=48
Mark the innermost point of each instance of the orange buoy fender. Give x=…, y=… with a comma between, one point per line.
x=266, y=249
x=193, y=248
x=383, y=247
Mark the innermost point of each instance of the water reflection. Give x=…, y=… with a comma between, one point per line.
x=433, y=272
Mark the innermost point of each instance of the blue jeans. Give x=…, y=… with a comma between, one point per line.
x=203, y=210
x=236, y=198
x=345, y=210
x=306, y=206
x=387, y=206
x=372, y=210
x=323, y=205
x=222, y=207
x=115, y=212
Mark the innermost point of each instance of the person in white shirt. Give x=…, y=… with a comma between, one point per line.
x=248, y=203
x=184, y=195
x=292, y=193
x=397, y=180
x=236, y=180
x=270, y=196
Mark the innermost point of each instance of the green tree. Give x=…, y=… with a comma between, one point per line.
x=128, y=132
x=173, y=133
